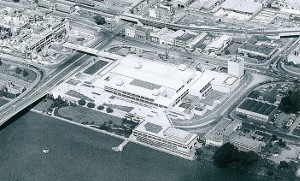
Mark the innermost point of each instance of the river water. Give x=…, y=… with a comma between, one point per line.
x=77, y=153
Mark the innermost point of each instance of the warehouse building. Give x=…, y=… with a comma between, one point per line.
x=256, y=109
x=242, y=6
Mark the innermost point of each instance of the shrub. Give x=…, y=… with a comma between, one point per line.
x=81, y=102
x=18, y=70
x=90, y=105
x=101, y=107
x=109, y=110
x=99, y=20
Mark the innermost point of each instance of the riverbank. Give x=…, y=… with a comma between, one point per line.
x=76, y=153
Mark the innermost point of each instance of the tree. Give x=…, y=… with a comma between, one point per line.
x=16, y=1
x=1, y=62
x=290, y=103
x=101, y=107
x=228, y=154
x=81, y=102
x=281, y=143
x=18, y=70
x=223, y=155
x=25, y=73
x=227, y=52
x=109, y=110
x=99, y=20
x=91, y=105
x=274, y=138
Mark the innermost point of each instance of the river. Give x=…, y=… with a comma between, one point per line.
x=77, y=153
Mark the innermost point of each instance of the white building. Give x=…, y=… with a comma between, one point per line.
x=236, y=66
x=160, y=84
x=157, y=131
x=218, y=44
x=294, y=57
x=130, y=31
x=242, y=6
x=221, y=132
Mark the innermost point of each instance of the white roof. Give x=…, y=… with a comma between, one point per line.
x=241, y=5
x=248, y=7
x=218, y=42
x=164, y=75
x=230, y=4
x=221, y=78
x=148, y=79
x=163, y=129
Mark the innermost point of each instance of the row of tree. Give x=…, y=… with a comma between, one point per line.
x=82, y=102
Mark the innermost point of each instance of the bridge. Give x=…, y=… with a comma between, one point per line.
x=91, y=51
x=41, y=87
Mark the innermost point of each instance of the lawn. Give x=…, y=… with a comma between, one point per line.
x=82, y=115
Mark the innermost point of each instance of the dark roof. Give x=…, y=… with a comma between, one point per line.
x=151, y=127
x=257, y=106
x=144, y=84
x=263, y=48
x=185, y=37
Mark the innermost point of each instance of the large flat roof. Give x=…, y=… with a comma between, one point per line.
x=263, y=48
x=159, y=125
x=160, y=74
x=257, y=106
x=241, y=6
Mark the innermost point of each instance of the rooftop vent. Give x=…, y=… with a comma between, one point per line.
x=182, y=67
x=119, y=82
x=138, y=65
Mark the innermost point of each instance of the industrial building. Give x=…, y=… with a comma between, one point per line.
x=264, y=51
x=236, y=66
x=256, y=109
x=242, y=6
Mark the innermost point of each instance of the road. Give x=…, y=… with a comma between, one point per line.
x=37, y=91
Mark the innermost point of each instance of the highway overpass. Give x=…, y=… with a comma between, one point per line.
x=282, y=32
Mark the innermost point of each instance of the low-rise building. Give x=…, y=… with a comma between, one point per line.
x=294, y=57
x=218, y=44
x=182, y=3
x=162, y=12
x=257, y=109
x=183, y=40
x=221, y=132
x=157, y=132
x=242, y=6
x=243, y=143
x=165, y=36
x=138, y=32
x=65, y=8
x=264, y=51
